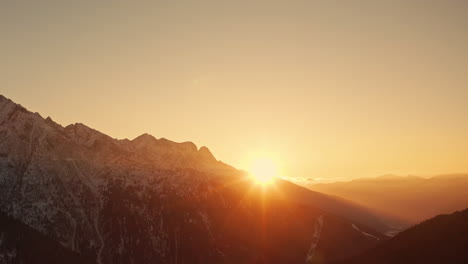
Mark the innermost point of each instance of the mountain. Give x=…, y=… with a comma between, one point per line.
x=442, y=239
x=153, y=200
x=411, y=199
x=335, y=205
x=21, y=244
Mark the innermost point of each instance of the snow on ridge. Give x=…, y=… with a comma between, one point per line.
x=315, y=239
x=364, y=233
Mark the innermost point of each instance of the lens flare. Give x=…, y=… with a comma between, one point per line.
x=263, y=170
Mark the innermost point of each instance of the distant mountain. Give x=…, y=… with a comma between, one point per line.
x=411, y=199
x=335, y=205
x=152, y=200
x=21, y=244
x=442, y=239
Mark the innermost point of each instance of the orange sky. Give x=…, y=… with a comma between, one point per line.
x=329, y=89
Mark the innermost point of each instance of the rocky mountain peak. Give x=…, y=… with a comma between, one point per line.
x=206, y=153
x=83, y=134
x=162, y=202
x=144, y=138
x=188, y=146
x=7, y=108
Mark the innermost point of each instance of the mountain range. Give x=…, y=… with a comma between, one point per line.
x=75, y=195
x=154, y=200
x=411, y=199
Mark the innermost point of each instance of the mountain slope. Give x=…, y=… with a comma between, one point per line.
x=412, y=199
x=21, y=244
x=335, y=205
x=154, y=200
x=442, y=239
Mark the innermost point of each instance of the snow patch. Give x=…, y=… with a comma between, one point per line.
x=392, y=233
x=206, y=221
x=364, y=233
x=315, y=239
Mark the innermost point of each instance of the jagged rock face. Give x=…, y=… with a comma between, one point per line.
x=152, y=200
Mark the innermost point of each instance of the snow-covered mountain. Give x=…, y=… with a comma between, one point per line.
x=152, y=200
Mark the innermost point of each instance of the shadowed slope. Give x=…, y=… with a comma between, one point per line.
x=442, y=239
x=21, y=244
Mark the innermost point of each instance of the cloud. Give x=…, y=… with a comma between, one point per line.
x=299, y=179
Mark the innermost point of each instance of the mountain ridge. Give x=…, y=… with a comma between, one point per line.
x=441, y=239
x=409, y=198
x=121, y=201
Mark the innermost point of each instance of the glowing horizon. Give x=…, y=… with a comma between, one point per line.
x=330, y=90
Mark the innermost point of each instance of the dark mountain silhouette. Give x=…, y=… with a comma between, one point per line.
x=411, y=199
x=21, y=244
x=152, y=200
x=442, y=239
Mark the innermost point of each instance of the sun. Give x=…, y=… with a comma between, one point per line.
x=263, y=170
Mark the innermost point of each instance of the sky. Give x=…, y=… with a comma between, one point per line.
x=326, y=89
